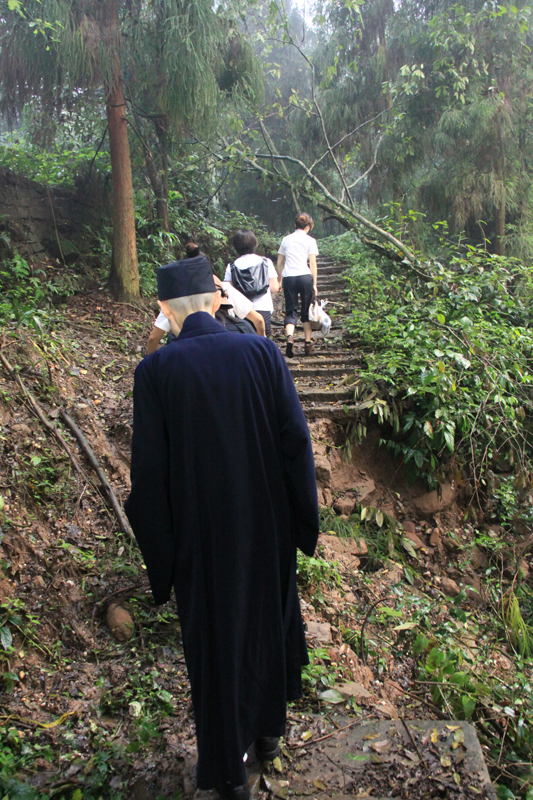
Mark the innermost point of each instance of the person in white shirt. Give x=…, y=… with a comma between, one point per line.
x=245, y=243
x=299, y=279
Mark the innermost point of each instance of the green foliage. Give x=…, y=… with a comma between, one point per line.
x=54, y=166
x=313, y=574
x=447, y=372
x=319, y=674
x=28, y=292
x=212, y=233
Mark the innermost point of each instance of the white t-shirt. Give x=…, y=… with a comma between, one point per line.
x=296, y=247
x=263, y=303
x=241, y=307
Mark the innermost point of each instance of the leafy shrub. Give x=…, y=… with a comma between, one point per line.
x=447, y=371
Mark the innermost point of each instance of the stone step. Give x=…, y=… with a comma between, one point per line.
x=334, y=294
x=298, y=370
x=324, y=280
x=316, y=395
x=331, y=271
x=336, y=412
x=333, y=359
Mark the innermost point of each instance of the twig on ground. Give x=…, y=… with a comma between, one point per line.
x=420, y=756
x=329, y=735
x=86, y=447
x=37, y=410
x=362, y=641
x=436, y=710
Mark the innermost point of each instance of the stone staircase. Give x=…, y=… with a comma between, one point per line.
x=319, y=378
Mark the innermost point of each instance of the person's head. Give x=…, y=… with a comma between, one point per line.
x=244, y=242
x=303, y=221
x=185, y=287
x=192, y=250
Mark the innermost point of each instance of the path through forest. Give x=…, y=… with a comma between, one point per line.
x=116, y=697
x=317, y=377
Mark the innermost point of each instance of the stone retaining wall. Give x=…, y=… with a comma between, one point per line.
x=40, y=219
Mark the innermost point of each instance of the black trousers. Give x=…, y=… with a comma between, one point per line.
x=299, y=286
x=267, y=316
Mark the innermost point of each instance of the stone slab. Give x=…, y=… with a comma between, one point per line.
x=377, y=740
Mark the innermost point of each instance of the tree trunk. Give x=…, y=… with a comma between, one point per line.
x=500, y=229
x=160, y=194
x=124, y=276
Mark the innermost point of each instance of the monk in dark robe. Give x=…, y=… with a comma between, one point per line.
x=223, y=492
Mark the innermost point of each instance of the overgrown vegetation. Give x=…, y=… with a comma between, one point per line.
x=447, y=370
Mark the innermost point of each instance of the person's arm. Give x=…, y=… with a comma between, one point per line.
x=156, y=334
x=279, y=265
x=257, y=321
x=273, y=281
x=313, y=268
x=148, y=506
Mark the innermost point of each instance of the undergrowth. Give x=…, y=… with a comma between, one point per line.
x=447, y=361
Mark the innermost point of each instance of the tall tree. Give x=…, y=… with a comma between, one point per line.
x=50, y=47
x=178, y=65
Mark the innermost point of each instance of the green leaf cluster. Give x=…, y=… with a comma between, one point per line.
x=447, y=348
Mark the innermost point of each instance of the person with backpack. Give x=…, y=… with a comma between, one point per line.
x=299, y=279
x=253, y=275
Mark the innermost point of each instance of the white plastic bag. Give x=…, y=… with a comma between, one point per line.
x=318, y=318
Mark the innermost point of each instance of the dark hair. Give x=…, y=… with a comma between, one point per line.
x=245, y=242
x=302, y=220
x=192, y=250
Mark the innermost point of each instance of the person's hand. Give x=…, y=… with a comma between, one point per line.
x=314, y=296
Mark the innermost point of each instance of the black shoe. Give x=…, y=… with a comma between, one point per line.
x=289, y=348
x=228, y=791
x=267, y=748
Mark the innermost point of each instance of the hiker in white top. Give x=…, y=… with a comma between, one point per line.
x=299, y=279
x=245, y=244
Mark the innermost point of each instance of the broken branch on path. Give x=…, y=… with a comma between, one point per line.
x=329, y=735
x=106, y=486
x=37, y=410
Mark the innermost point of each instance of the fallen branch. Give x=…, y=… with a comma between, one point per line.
x=37, y=410
x=329, y=735
x=106, y=486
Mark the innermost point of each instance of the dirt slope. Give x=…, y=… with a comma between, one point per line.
x=87, y=716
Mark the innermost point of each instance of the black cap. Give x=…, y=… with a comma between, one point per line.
x=186, y=277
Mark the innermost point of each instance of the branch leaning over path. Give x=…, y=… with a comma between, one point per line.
x=37, y=410
x=350, y=212
x=106, y=486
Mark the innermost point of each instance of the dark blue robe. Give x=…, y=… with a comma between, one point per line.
x=223, y=492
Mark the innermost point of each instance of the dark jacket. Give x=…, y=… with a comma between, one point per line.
x=223, y=491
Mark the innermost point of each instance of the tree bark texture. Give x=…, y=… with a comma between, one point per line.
x=124, y=277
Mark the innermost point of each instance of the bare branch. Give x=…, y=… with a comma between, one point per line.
x=372, y=165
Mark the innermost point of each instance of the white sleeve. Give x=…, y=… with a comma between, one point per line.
x=281, y=250
x=227, y=274
x=271, y=269
x=162, y=323
x=313, y=247
x=241, y=304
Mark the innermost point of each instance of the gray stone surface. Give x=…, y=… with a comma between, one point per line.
x=35, y=217
x=378, y=740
